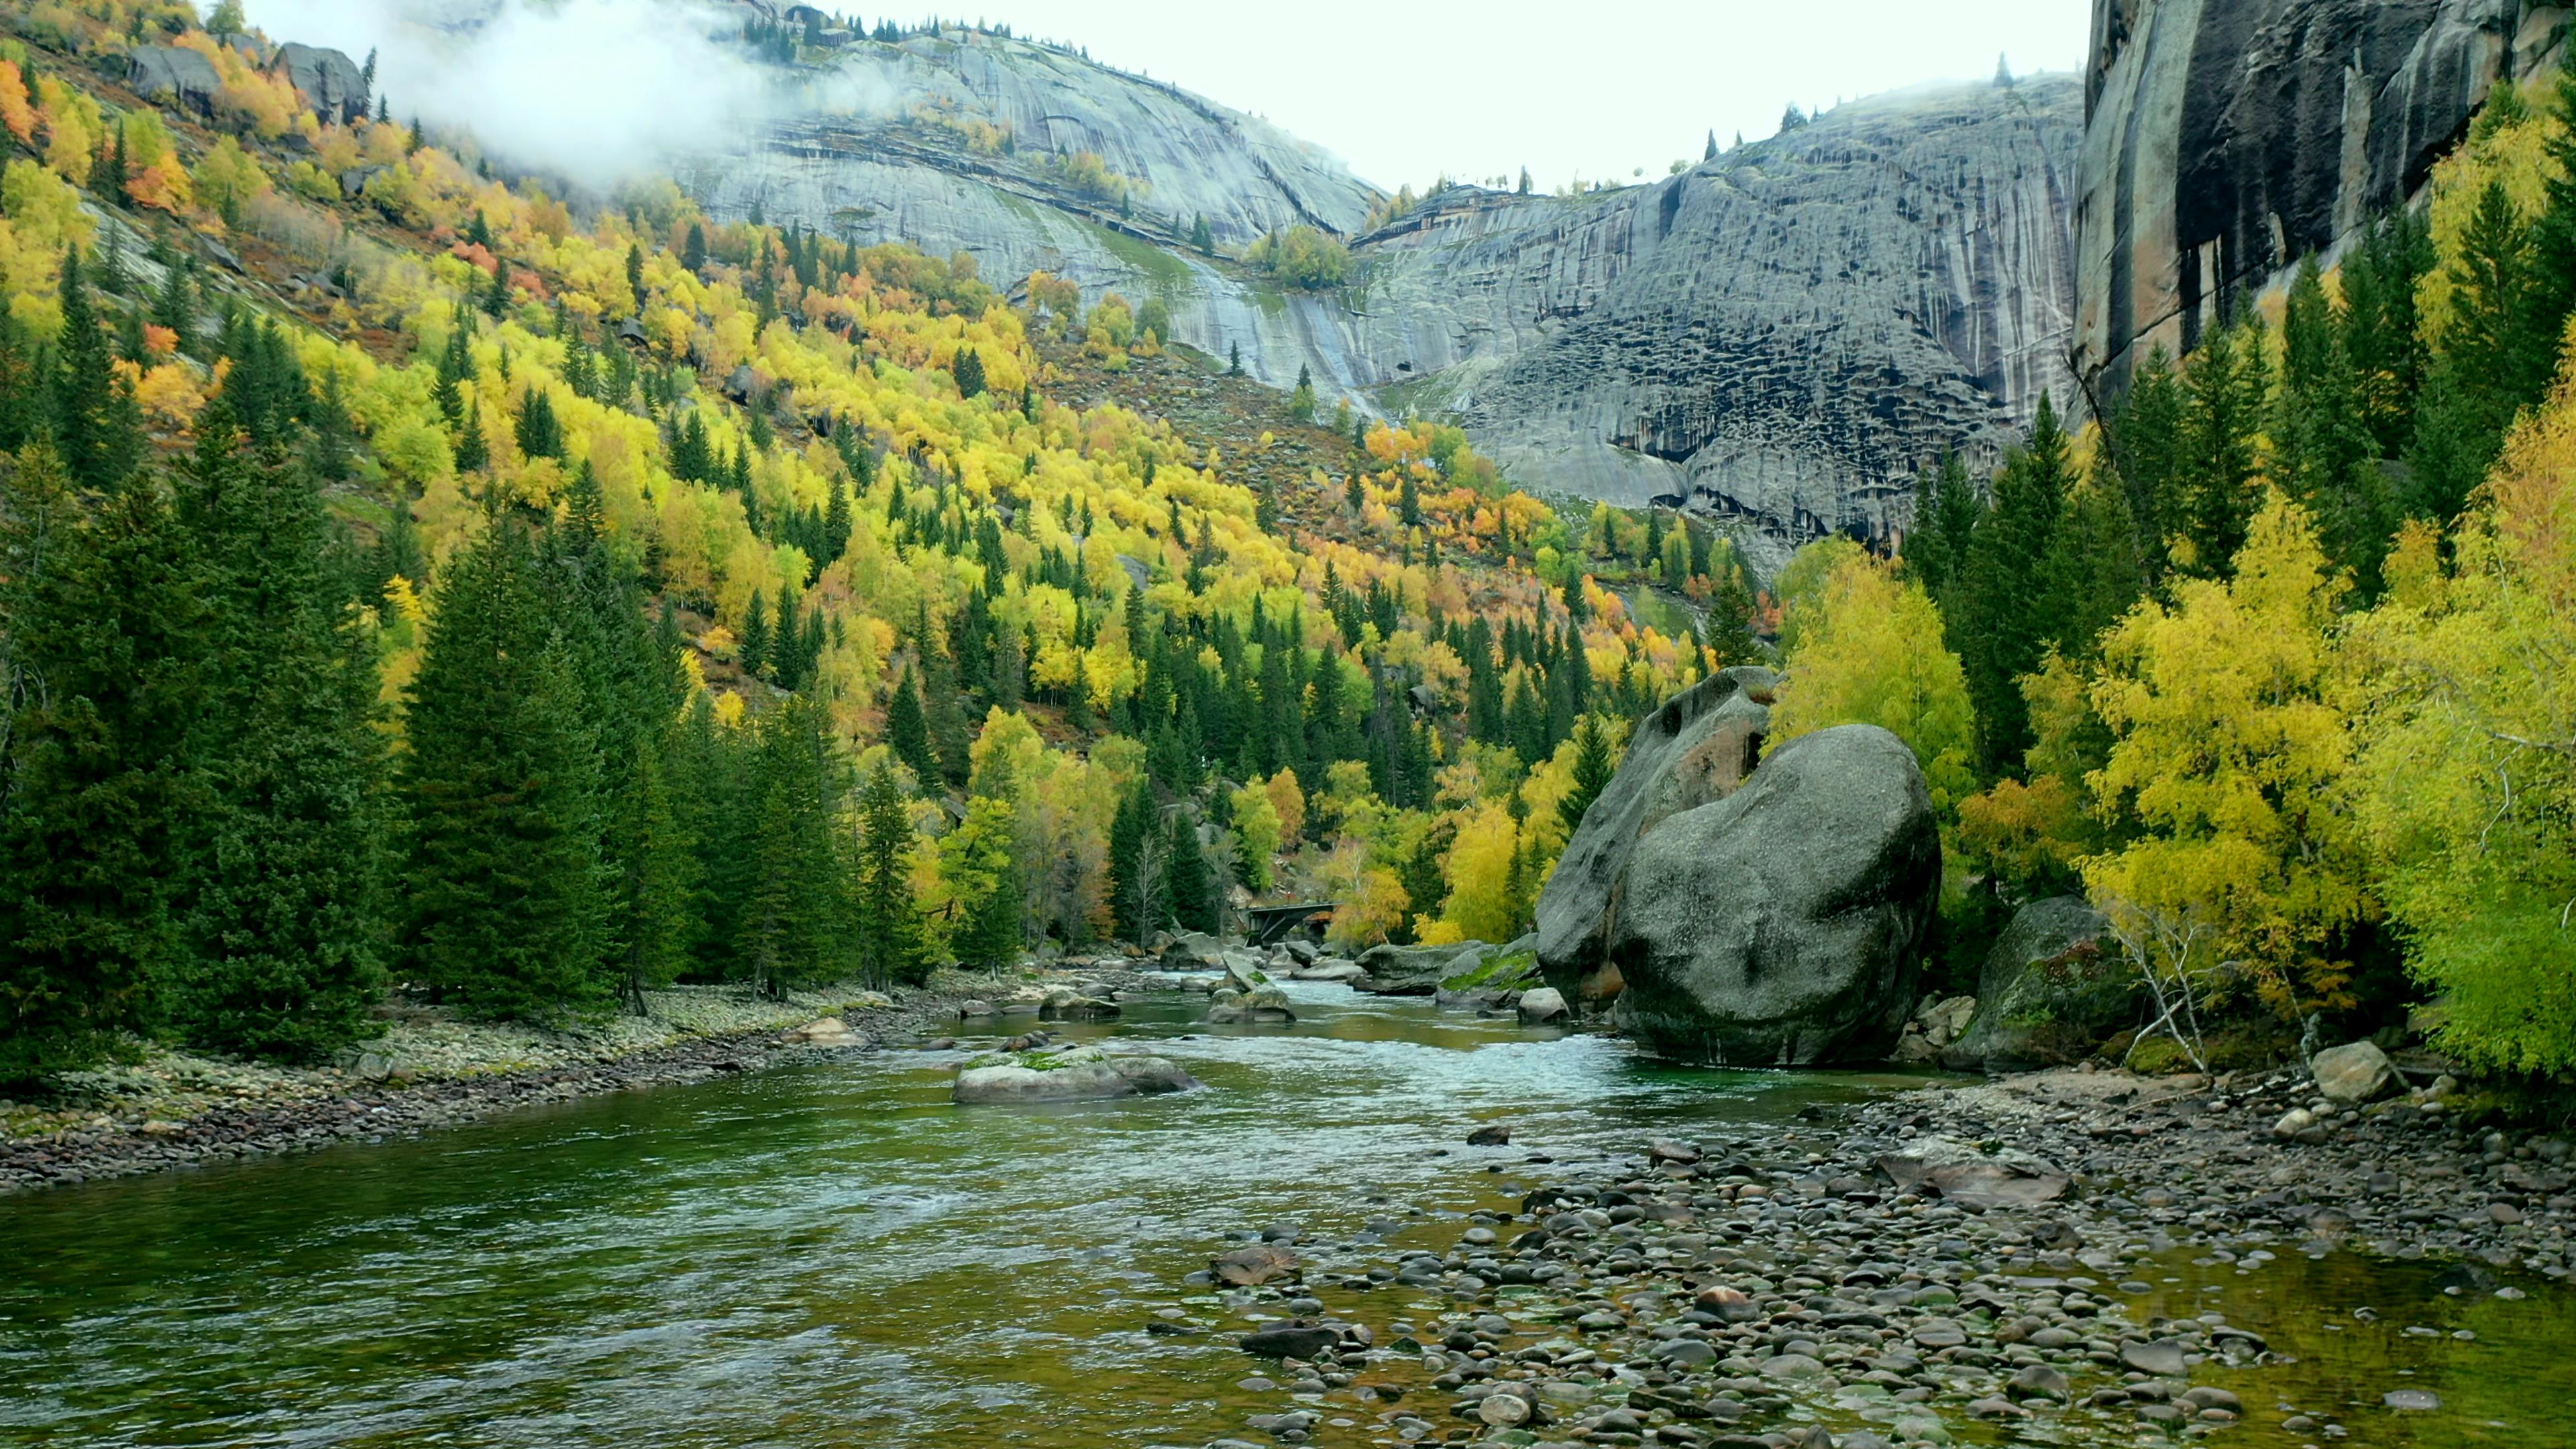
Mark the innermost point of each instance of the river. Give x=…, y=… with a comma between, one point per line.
x=832, y=1254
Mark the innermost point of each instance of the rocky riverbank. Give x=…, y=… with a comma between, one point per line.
x=1890, y=1274
x=429, y=1070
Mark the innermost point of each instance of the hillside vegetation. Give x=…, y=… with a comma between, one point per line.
x=414, y=577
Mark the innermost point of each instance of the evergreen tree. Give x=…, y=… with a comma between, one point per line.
x=1135, y=857
x=2383, y=335
x=693, y=255
x=284, y=923
x=2323, y=453
x=2004, y=595
x=1190, y=882
x=1593, y=768
x=2145, y=436
x=635, y=277
x=473, y=452
x=539, y=431
x=754, y=654
x=969, y=372
x=508, y=897
x=2489, y=360
x=1202, y=239
x=98, y=430
x=1945, y=523
x=891, y=951
x=908, y=731
x=101, y=644
x=795, y=924
x=2225, y=396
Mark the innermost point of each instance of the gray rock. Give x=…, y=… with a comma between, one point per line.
x=1545, y=1004
x=1289, y=1342
x=1698, y=748
x=2413, y=1401
x=174, y=76
x=1415, y=970
x=2053, y=989
x=330, y=83
x=2039, y=1381
x=1194, y=950
x=1081, y=1075
x=2353, y=1074
x=1962, y=1174
x=1784, y=924
x=2161, y=1357
x=1251, y=1267
x=1066, y=1004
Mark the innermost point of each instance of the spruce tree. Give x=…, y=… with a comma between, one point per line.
x=2323, y=452
x=473, y=451
x=796, y=921
x=969, y=373
x=1135, y=856
x=2004, y=595
x=908, y=731
x=101, y=635
x=285, y=921
x=1593, y=768
x=98, y=430
x=1190, y=882
x=754, y=654
x=2489, y=359
x=891, y=950
x=1936, y=552
x=509, y=901
x=2145, y=435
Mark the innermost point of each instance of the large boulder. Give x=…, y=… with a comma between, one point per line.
x=2354, y=1074
x=1416, y=970
x=1783, y=925
x=1085, y=1074
x=1696, y=750
x=327, y=81
x=1194, y=951
x=2053, y=989
x=174, y=76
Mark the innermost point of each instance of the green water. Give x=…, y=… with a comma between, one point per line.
x=834, y=1255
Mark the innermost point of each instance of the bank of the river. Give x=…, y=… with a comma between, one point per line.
x=429, y=1069
x=2054, y=1282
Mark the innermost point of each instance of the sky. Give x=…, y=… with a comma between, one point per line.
x=1407, y=90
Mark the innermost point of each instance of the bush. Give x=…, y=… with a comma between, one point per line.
x=1302, y=257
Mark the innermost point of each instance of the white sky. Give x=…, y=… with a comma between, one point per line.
x=1407, y=89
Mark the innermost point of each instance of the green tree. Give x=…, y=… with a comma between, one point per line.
x=1593, y=768
x=2489, y=360
x=2004, y=596
x=1870, y=651
x=976, y=861
x=103, y=655
x=285, y=921
x=1197, y=900
x=509, y=901
x=891, y=951
x=97, y=428
x=796, y=927
x=969, y=373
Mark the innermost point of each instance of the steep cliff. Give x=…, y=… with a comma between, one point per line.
x=2226, y=139
x=1783, y=334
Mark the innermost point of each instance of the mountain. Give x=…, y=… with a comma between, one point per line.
x=1781, y=335
x=2226, y=139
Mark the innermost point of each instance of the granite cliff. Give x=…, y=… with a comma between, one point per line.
x=1781, y=335
x=2226, y=139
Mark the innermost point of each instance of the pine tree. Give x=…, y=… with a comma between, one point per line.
x=1592, y=771
x=754, y=654
x=508, y=897
x=285, y=922
x=473, y=452
x=101, y=640
x=1189, y=881
x=1202, y=239
x=693, y=255
x=635, y=277
x=538, y=430
x=2225, y=395
x=2005, y=592
x=891, y=951
x=2145, y=435
x=2489, y=359
x=796, y=922
x=1135, y=857
x=98, y=430
x=908, y=731
x=969, y=373
x=1936, y=552
x=2323, y=453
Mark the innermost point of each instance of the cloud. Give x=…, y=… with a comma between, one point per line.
x=600, y=91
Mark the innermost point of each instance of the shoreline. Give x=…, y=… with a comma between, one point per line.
x=231, y=1111
x=1982, y=1252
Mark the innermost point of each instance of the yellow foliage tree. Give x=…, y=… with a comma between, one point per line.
x=2229, y=752
x=1869, y=651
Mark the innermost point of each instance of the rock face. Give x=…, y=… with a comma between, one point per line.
x=1783, y=925
x=1783, y=334
x=330, y=83
x=1698, y=748
x=2226, y=139
x=2052, y=991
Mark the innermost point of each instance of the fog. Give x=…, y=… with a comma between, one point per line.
x=599, y=91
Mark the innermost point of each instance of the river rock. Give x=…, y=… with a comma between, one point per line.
x=1244, y=971
x=826, y=1031
x=1965, y=1175
x=1784, y=924
x=1545, y=1004
x=1289, y=1342
x=1080, y=1075
x=1266, y=1004
x=1253, y=1266
x=1415, y=970
x=2353, y=1074
x=1491, y=1135
x=1067, y=1004
x=2053, y=989
x=2161, y=1357
x=971, y=1008
x=1696, y=749
x=1194, y=951
x=1329, y=969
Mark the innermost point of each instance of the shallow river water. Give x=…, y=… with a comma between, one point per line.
x=834, y=1255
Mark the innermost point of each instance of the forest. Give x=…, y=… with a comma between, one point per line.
x=546, y=608
x=525, y=602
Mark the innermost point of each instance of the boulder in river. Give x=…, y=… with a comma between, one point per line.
x=1262, y=1004
x=1697, y=749
x=1083, y=1074
x=1782, y=925
x=1545, y=1004
x=1066, y=1004
x=1251, y=1267
x=1194, y=951
x=1289, y=1342
x=2053, y=989
x=1416, y=970
x=1962, y=1174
